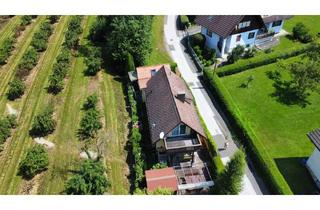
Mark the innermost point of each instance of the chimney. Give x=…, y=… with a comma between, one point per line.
x=181, y=95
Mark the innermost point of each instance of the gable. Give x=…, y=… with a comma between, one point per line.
x=256, y=22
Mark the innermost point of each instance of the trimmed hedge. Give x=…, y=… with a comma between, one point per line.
x=243, y=65
x=259, y=155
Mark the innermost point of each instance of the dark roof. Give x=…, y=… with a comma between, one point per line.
x=223, y=25
x=314, y=136
x=165, y=111
x=272, y=18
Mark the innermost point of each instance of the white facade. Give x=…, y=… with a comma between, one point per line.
x=313, y=164
x=230, y=42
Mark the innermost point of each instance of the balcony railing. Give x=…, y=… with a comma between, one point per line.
x=265, y=35
x=182, y=142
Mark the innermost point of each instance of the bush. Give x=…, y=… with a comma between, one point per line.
x=26, y=20
x=93, y=61
x=43, y=123
x=40, y=38
x=130, y=63
x=6, y=49
x=236, y=54
x=198, y=40
x=35, y=161
x=243, y=65
x=74, y=30
x=260, y=157
x=91, y=102
x=90, y=124
x=184, y=22
x=16, y=89
x=229, y=181
x=89, y=180
x=27, y=62
x=159, y=166
x=249, y=53
x=301, y=33
x=173, y=67
x=6, y=124
x=53, y=18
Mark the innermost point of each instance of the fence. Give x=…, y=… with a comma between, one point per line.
x=194, y=56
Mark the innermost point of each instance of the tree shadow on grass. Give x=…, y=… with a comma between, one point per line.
x=285, y=92
x=296, y=174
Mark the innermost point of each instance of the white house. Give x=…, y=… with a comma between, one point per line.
x=225, y=32
x=313, y=162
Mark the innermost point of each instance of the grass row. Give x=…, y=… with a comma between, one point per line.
x=10, y=182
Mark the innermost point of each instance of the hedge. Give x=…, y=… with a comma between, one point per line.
x=184, y=22
x=243, y=65
x=259, y=155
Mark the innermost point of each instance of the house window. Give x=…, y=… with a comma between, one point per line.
x=238, y=38
x=244, y=24
x=277, y=23
x=209, y=33
x=179, y=130
x=251, y=35
x=153, y=72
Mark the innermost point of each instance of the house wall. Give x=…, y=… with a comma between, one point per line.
x=313, y=164
x=211, y=42
x=244, y=41
x=275, y=29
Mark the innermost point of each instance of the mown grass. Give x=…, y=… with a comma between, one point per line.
x=7, y=71
x=311, y=21
x=116, y=132
x=159, y=54
x=282, y=128
x=8, y=28
x=68, y=106
x=10, y=182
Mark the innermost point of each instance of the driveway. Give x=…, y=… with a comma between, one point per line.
x=207, y=109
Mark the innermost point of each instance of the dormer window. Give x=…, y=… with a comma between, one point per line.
x=244, y=24
x=153, y=72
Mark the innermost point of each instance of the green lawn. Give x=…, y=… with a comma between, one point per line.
x=311, y=21
x=281, y=128
x=159, y=54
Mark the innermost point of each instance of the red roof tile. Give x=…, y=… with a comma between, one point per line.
x=164, y=178
x=144, y=73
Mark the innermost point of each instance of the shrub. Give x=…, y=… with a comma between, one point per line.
x=90, y=124
x=89, y=180
x=35, y=161
x=249, y=53
x=159, y=166
x=93, y=61
x=91, y=102
x=161, y=191
x=229, y=181
x=260, y=157
x=26, y=20
x=236, y=54
x=243, y=65
x=27, y=62
x=43, y=123
x=16, y=89
x=40, y=38
x=198, y=40
x=74, y=30
x=6, y=49
x=184, y=21
x=130, y=63
x=6, y=124
x=301, y=33
x=173, y=67
x=53, y=18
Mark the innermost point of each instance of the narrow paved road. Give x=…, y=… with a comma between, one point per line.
x=207, y=109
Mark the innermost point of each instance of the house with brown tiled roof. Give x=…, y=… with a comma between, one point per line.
x=225, y=32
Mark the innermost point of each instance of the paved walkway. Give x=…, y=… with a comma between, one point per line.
x=209, y=113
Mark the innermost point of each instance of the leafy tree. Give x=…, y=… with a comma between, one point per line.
x=35, y=161
x=55, y=83
x=91, y=102
x=43, y=123
x=90, y=124
x=93, y=61
x=99, y=29
x=40, y=38
x=26, y=20
x=130, y=63
x=73, y=32
x=28, y=61
x=54, y=18
x=6, y=48
x=16, y=89
x=129, y=34
x=159, y=165
x=90, y=179
x=229, y=181
x=236, y=54
x=6, y=124
x=301, y=33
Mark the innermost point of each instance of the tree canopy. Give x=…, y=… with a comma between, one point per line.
x=43, y=123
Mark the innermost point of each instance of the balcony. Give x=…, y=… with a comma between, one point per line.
x=188, y=143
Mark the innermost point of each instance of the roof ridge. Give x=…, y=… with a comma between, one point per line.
x=172, y=95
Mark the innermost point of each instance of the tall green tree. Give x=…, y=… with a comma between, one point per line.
x=130, y=63
x=229, y=181
x=43, y=123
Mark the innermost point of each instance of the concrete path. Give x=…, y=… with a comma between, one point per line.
x=209, y=113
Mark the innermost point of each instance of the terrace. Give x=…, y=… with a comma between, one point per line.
x=189, y=142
